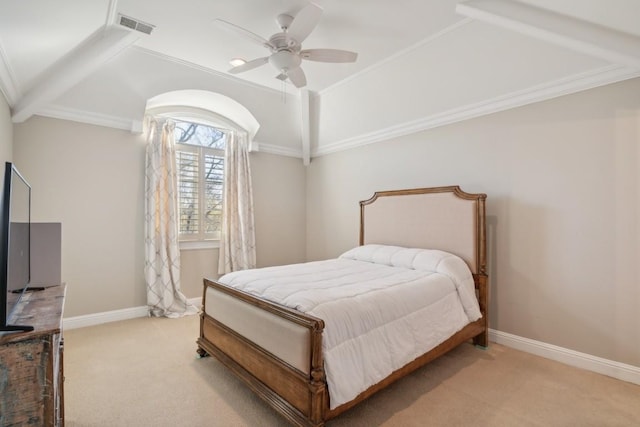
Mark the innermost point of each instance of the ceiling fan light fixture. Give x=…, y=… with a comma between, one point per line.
x=235, y=62
x=284, y=60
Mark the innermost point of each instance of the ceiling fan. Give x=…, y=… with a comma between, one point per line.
x=286, y=46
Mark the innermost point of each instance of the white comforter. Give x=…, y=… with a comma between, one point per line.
x=383, y=306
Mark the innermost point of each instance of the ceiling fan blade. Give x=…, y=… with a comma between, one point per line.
x=328, y=55
x=244, y=33
x=249, y=65
x=304, y=22
x=297, y=77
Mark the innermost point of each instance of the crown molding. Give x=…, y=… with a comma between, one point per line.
x=564, y=86
x=134, y=126
x=7, y=80
x=560, y=87
x=581, y=36
x=80, y=116
x=279, y=150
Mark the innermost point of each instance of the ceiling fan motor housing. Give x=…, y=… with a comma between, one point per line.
x=284, y=41
x=284, y=21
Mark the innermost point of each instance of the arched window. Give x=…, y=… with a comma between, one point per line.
x=203, y=122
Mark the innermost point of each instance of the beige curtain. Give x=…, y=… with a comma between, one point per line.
x=162, y=252
x=237, y=239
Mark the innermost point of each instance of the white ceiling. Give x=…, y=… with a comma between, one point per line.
x=36, y=33
x=49, y=49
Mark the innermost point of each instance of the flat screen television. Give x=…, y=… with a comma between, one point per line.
x=15, y=245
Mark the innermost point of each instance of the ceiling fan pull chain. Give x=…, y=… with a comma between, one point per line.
x=284, y=92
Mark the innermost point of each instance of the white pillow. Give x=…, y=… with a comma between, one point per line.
x=397, y=256
x=431, y=260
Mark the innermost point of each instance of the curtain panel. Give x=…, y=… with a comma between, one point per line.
x=237, y=238
x=162, y=251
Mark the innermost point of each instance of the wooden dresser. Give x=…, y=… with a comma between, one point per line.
x=31, y=364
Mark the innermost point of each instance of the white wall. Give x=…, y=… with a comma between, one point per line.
x=563, y=208
x=91, y=179
x=6, y=132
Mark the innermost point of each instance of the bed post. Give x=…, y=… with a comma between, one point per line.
x=482, y=339
x=481, y=278
x=318, y=382
x=201, y=351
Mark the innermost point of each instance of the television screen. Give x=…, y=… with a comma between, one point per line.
x=15, y=243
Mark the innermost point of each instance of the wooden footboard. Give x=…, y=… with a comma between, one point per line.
x=299, y=393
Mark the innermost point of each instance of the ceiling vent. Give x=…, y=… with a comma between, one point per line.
x=135, y=24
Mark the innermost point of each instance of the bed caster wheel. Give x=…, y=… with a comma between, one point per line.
x=201, y=353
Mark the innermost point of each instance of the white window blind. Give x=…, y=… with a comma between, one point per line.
x=214, y=179
x=189, y=192
x=200, y=164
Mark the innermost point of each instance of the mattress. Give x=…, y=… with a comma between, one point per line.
x=383, y=306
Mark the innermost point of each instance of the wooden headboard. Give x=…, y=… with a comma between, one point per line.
x=444, y=218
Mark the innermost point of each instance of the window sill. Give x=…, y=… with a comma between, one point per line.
x=190, y=245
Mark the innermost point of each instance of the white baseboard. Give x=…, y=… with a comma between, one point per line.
x=112, y=316
x=596, y=364
x=607, y=367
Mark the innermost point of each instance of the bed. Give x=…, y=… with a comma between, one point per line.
x=313, y=356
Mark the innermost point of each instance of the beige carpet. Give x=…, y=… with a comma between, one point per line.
x=144, y=372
